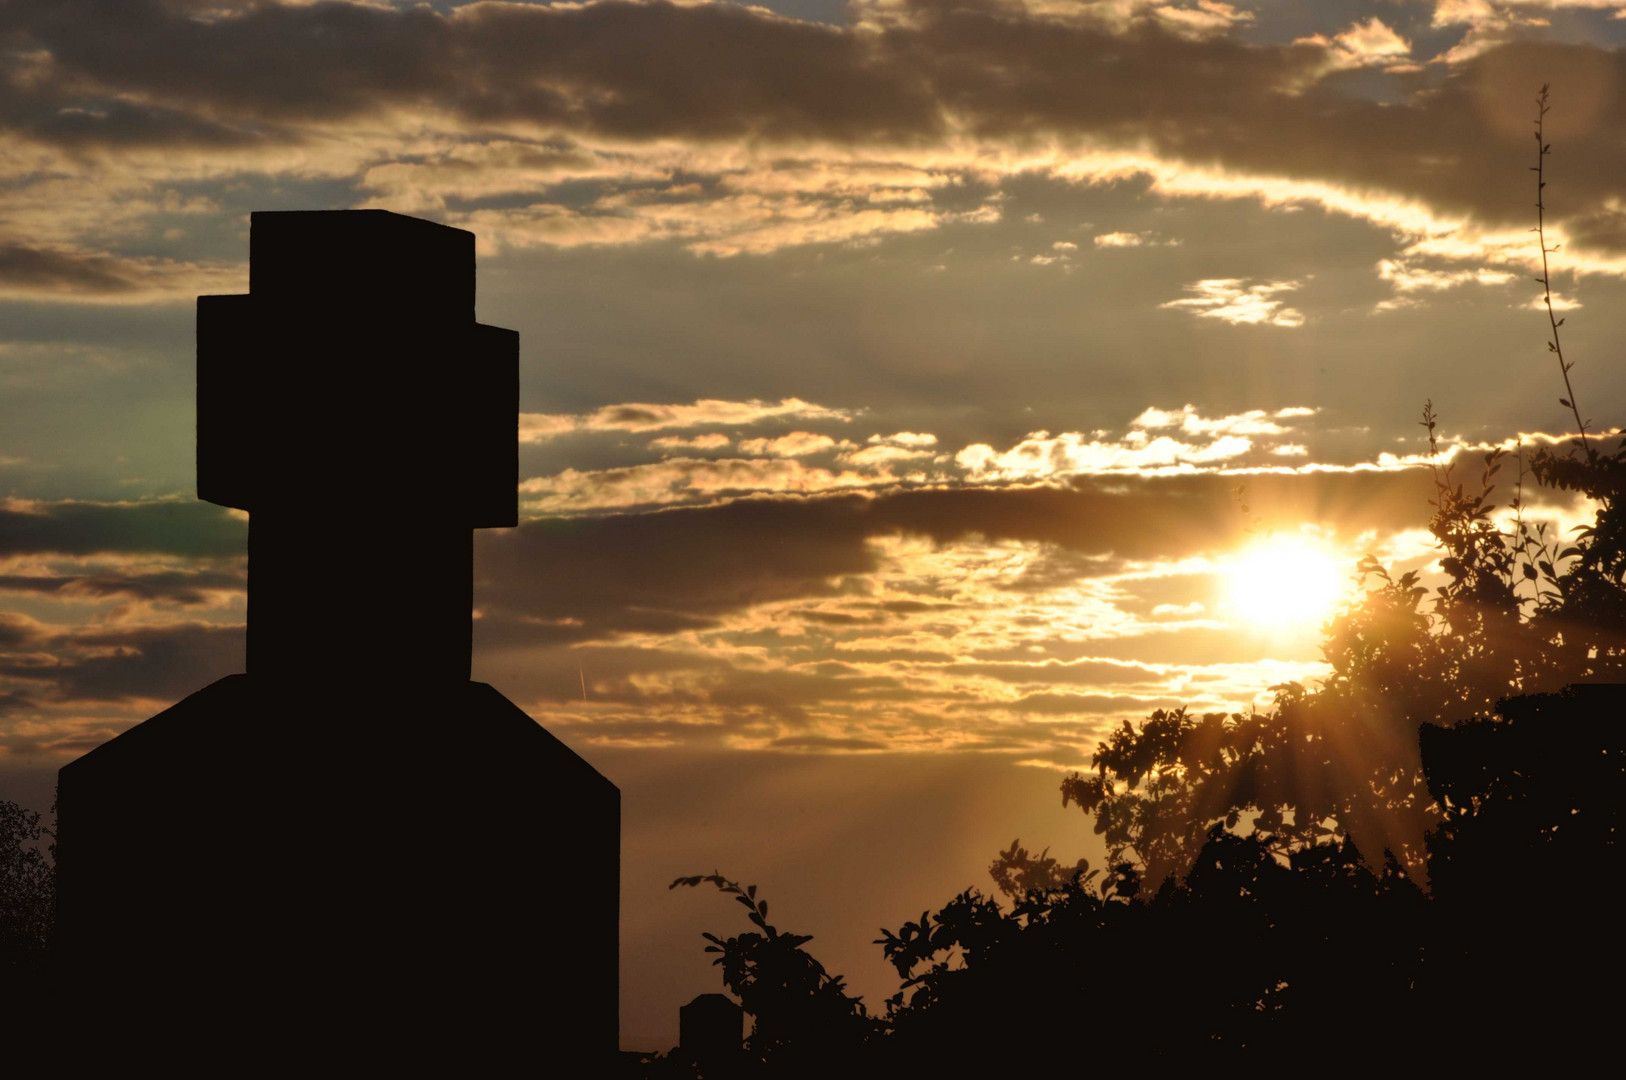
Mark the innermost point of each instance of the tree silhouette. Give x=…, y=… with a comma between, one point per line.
x=27, y=894
x=1515, y=615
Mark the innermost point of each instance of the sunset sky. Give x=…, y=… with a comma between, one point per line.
x=912, y=390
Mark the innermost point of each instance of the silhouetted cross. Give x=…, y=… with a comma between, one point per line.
x=351, y=404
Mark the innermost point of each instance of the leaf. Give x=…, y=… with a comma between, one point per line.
x=1566, y=404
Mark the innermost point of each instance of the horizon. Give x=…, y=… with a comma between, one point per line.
x=911, y=392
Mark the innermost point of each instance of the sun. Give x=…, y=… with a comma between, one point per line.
x=1285, y=582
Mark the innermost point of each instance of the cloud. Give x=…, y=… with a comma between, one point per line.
x=190, y=587
x=681, y=480
x=1091, y=671
x=898, y=617
x=1202, y=19
x=19, y=631
x=1372, y=43
x=1239, y=303
x=1050, y=704
x=1132, y=239
x=1252, y=422
x=881, y=455
x=1158, y=439
x=710, y=441
x=796, y=444
x=583, y=123
x=707, y=412
x=143, y=663
x=914, y=440
x=708, y=225
x=1408, y=277
x=583, y=577
x=1041, y=455
x=186, y=528
x=42, y=273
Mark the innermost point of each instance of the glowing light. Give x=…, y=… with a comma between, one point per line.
x=1286, y=582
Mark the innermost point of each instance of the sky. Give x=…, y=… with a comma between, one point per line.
x=912, y=390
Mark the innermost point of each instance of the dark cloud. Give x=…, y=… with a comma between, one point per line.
x=41, y=269
x=838, y=618
x=187, y=588
x=578, y=579
x=558, y=582
x=86, y=528
x=619, y=572
x=108, y=665
x=628, y=68
x=98, y=122
x=135, y=71
x=77, y=743
x=17, y=632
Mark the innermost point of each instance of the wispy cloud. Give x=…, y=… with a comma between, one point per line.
x=1042, y=455
x=1145, y=238
x=707, y=412
x=709, y=441
x=795, y=444
x=1372, y=43
x=1236, y=301
x=1252, y=422
x=682, y=480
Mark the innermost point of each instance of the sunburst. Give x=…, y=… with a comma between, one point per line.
x=1285, y=582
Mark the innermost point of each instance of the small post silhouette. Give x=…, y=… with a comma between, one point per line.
x=352, y=848
x=711, y=1031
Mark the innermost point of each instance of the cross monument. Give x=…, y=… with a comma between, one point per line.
x=351, y=845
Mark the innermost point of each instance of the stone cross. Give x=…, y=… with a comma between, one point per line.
x=352, y=383
x=351, y=853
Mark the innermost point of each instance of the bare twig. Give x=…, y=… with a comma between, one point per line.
x=1554, y=346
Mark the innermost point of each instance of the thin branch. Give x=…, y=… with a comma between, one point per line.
x=1555, y=345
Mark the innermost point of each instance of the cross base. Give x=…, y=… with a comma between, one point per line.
x=269, y=870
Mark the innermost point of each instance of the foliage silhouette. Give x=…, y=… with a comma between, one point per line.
x=805, y=1021
x=27, y=891
x=27, y=923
